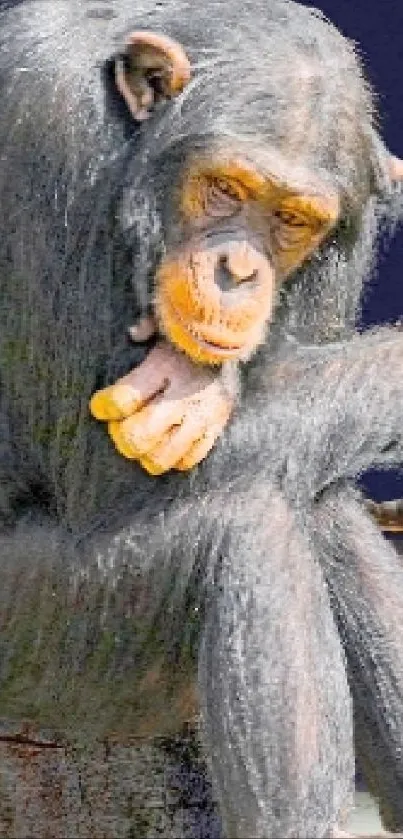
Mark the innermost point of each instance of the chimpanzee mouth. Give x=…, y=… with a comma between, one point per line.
x=218, y=349
x=204, y=336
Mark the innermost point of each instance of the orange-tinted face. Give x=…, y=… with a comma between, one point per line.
x=244, y=233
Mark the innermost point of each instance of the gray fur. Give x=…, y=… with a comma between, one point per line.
x=261, y=564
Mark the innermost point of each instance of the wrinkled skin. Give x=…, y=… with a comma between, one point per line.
x=167, y=413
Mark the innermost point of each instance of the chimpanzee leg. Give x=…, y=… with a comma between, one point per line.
x=365, y=579
x=275, y=701
x=59, y=776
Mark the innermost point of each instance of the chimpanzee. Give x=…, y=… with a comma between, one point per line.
x=218, y=170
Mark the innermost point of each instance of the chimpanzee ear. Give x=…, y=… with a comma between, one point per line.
x=396, y=168
x=152, y=68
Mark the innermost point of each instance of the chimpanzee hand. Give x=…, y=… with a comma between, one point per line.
x=168, y=412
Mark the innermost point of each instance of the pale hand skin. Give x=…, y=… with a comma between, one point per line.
x=168, y=412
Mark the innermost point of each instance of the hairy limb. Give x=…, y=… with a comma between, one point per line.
x=168, y=412
x=314, y=416
x=86, y=626
x=365, y=580
x=275, y=702
x=350, y=404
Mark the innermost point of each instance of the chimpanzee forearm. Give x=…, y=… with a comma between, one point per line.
x=323, y=414
x=349, y=410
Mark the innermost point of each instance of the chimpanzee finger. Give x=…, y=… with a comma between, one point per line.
x=202, y=446
x=207, y=418
x=172, y=448
x=199, y=450
x=142, y=432
x=120, y=441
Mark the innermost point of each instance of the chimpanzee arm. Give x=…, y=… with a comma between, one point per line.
x=365, y=580
x=276, y=707
x=350, y=406
x=321, y=415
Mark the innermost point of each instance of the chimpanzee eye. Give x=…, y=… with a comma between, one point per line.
x=290, y=219
x=291, y=230
x=223, y=196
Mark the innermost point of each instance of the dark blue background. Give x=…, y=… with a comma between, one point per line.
x=377, y=26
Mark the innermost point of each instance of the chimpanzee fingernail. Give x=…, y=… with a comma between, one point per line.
x=126, y=399
x=101, y=407
x=115, y=402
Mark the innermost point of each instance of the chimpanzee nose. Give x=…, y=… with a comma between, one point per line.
x=238, y=263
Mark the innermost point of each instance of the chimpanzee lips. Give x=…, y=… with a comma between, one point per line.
x=221, y=337
x=219, y=349
x=206, y=343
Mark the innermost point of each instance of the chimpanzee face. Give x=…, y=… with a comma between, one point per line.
x=244, y=227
